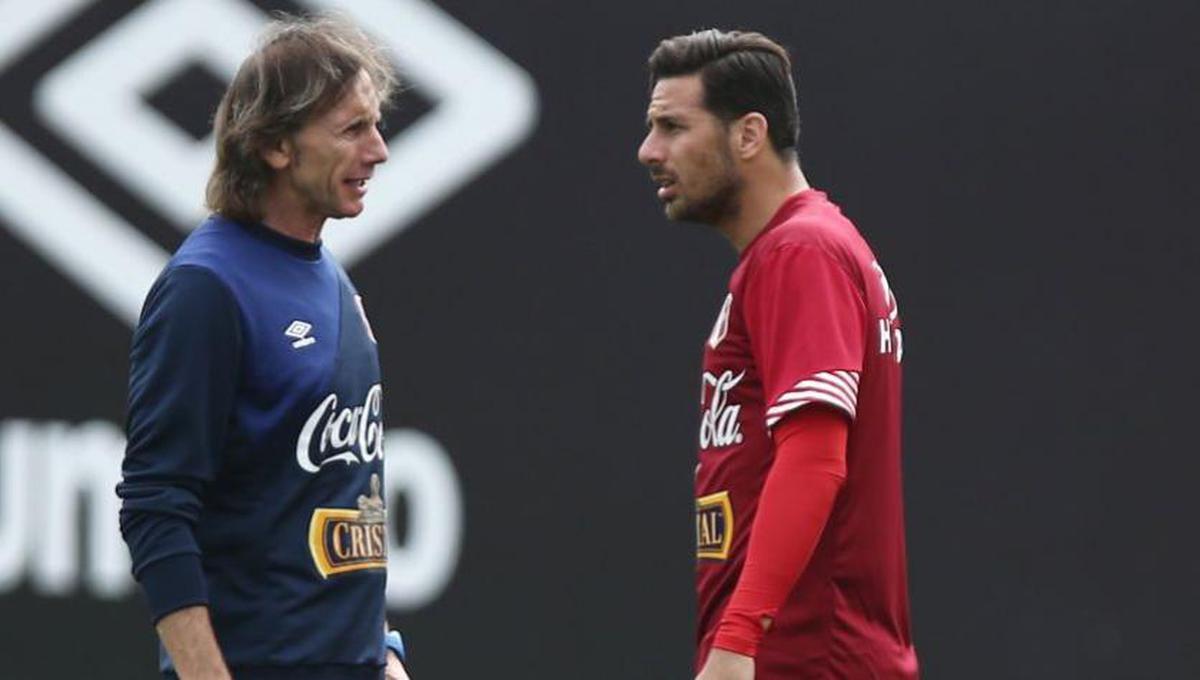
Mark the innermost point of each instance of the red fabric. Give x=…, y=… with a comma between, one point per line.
x=809, y=319
x=809, y=468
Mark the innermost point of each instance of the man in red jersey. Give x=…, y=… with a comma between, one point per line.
x=799, y=515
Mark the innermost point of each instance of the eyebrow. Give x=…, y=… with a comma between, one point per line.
x=362, y=116
x=668, y=117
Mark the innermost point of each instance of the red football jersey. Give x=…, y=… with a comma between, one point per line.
x=809, y=318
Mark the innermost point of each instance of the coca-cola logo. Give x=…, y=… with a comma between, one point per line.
x=719, y=425
x=353, y=434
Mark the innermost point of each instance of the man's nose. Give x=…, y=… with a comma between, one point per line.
x=377, y=151
x=650, y=152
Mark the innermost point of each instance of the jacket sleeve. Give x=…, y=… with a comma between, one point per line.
x=184, y=372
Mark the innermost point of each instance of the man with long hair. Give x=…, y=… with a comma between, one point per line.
x=251, y=483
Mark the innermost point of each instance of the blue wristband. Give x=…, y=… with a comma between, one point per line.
x=394, y=642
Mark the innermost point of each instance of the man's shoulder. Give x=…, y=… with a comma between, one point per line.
x=229, y=251
x=208, y=246
x=200, y=269
x=818, y=229
x=815, y=223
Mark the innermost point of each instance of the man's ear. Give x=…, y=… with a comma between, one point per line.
x=279, y=154
x=749, y=135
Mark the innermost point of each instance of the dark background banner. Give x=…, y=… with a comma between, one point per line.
x=1024, y=171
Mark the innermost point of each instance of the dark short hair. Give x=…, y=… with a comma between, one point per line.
x=301, y=69
x=742, y=71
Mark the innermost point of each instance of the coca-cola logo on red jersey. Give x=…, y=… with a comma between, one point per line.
x=719, y=424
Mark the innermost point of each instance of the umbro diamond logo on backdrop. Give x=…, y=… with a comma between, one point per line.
x=113, y=243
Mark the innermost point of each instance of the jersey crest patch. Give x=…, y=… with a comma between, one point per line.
x=362, y=313
x=721, y=327
x=342, y=540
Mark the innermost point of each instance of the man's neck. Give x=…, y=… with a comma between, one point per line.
x=760, y=199
x=288, y=217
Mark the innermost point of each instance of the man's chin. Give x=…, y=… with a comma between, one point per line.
x=709, y=210
x=347, y=211
x=676, y=210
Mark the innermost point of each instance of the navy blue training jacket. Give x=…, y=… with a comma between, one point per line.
x=252, y=481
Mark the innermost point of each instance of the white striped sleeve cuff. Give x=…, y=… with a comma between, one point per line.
x=838, y=389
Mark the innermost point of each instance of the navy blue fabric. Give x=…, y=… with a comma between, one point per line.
x=326, y=672
x=232, y=445
x=183, y=378
x=173, y=582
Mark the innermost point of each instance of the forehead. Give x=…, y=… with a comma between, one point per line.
x=360, y=97
x=677, y=95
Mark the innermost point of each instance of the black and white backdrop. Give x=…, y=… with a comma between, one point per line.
x=1024, y=171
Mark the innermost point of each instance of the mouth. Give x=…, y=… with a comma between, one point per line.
x=358, y=184
x=666, y=187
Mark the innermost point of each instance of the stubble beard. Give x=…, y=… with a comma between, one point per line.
x=720, y=200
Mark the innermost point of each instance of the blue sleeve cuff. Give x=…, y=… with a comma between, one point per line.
x=173, y=583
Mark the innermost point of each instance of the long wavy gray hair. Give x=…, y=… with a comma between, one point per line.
x=300, y=69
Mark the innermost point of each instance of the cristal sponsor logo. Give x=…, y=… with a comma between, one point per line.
x=714, y=526
x=353, y=434
x=343, y=540
x=719, y=425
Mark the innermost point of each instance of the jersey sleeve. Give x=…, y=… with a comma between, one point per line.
x=184, y=371
x=807, y=322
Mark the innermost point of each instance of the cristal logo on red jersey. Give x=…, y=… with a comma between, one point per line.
x=352, y=435
x=719, y=425
x=714, y=526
